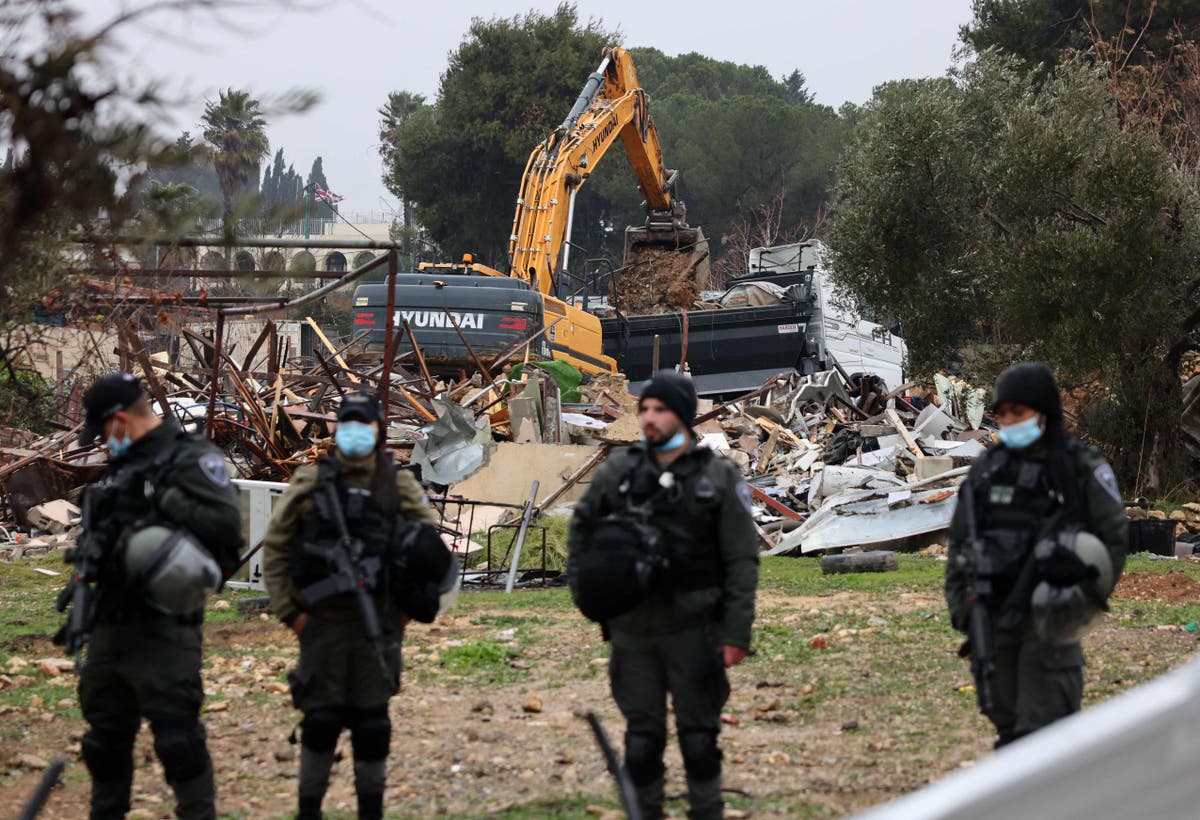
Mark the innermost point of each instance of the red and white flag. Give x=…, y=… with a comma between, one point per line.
x=328, y=197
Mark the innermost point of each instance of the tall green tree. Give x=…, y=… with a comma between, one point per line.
x=507, y=85
x=1003, y=208
x=236, y=131
x=1039, y=31
x=738, y=136
x=318, y=209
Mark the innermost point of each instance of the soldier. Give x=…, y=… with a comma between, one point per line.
x=663, y=553
x=163, y=506
x=349, y=558
x=1037, y=542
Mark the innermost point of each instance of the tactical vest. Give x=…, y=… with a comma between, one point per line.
x=1014, y=503
x=127, y=497
x=320, y=533
x=686, y=514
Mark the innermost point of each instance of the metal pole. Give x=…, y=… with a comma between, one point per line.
x=528, y=514
x=216, y=374
x=307, y=192
x=566, y=254
x=389, y=341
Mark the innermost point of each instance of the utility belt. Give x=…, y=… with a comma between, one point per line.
x=136, y=611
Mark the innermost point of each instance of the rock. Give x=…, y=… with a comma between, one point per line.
x=276, y=688
x=850, y=726
x=731, y=720
x=217, y=706
x=877, y=622
x=30, y=761
x=819, y=642
x=483, y=707
x=531, y=705
x=220, y=606
x=54, y=666
x=285, y=753
x=1137, y=513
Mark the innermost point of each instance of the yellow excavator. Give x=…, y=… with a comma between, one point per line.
x=611, y=107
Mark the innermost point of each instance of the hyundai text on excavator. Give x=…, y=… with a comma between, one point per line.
x=495, y=310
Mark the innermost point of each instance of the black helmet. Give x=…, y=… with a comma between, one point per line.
x=1032, y=384
x=427, y=575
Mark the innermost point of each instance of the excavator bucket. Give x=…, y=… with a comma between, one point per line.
x=664, y=269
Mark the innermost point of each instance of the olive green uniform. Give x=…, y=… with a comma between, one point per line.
x=338, y=683
x=670, y=642
x=141, y=662
x=1034, y=682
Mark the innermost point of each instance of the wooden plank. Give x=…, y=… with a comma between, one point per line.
x=337, y=356
x=767, y=451
x=782, y=509
x=903, y=432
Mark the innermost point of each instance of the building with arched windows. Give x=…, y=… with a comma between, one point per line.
x=374, y=226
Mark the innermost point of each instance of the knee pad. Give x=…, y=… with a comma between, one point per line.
x=643, y=757
x=370, y=733
x=107, y=756
x=320, y=729
x=701, y=754
x=181, y=750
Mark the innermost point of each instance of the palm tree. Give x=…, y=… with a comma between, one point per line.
x=235, y=128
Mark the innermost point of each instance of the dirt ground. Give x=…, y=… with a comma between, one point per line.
x=1175, y=585
x=489, y=719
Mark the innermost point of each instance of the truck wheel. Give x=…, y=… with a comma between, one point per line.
x=873, y=561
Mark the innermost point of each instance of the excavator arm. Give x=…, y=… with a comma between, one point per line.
x=611, y=106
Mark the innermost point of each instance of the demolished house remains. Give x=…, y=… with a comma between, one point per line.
x=835, y=461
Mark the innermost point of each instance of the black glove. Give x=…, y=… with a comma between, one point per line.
x=1063, y=568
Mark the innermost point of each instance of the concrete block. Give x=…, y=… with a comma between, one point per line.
x=930, y=466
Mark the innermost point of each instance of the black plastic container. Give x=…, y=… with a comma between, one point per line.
x=1152, y=535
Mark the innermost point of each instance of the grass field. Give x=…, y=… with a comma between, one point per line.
x=489, y=720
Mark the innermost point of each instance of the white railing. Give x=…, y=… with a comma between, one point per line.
x=1133, y=757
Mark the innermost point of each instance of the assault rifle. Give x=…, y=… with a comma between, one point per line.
x=79, y=593
x=976, y=564
x=350, y=572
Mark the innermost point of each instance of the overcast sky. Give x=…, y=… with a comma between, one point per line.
x=354, y=52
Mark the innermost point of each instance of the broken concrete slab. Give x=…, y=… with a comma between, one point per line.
x=55, y=517
x=512, y=469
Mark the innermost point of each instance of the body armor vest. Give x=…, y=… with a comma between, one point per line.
x=366, y=521
x=685, y=514
x=126, y=496
x=1014, y=503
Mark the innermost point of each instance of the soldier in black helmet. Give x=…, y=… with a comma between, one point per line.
x=1051, y=529
x=664, y=554
x=162, y=526
x=351, y=556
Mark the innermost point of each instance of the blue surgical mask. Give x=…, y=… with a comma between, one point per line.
x=672, y=443
x=118, y=447
x=1022, y=434
x=354, y=439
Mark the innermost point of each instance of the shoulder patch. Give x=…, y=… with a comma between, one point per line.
x=213, y=467
x=745, y=496
x=1107, y=479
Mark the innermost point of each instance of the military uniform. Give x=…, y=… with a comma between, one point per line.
x=339, y=683
x=1035, y=682
x=671, y=641
x=141, y=662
